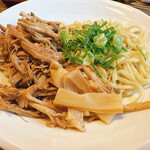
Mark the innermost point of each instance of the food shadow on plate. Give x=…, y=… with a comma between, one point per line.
x=9, y=114
x=117, y=117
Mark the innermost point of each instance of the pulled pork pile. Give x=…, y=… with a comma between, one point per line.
x=31, y=53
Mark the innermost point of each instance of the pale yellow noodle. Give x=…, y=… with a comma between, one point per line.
x=132, y=71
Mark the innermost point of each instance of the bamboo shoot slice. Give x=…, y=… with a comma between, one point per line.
x=77, y=80
x=94, y=102
x=57, y=74
x=75, y=119
x=106, y=118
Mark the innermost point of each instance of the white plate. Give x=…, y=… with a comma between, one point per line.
x=126, y=132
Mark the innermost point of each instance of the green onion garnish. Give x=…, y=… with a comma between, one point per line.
x=94, y=44
x=141, y=52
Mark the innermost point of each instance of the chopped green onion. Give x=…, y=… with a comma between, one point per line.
x=88, y=59
x=116, y=50
x=95, y=69
x=124, y=49
x=94, y=44
x=100, y=40
x=141, y=52
x=104, y=24
x=117, y=41
x=64, y=33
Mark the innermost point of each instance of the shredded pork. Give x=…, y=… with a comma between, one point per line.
x=31, y=54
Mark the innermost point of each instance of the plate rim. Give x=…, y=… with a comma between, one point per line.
x=31, y=1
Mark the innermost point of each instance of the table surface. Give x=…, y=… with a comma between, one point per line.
x=137, y=4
